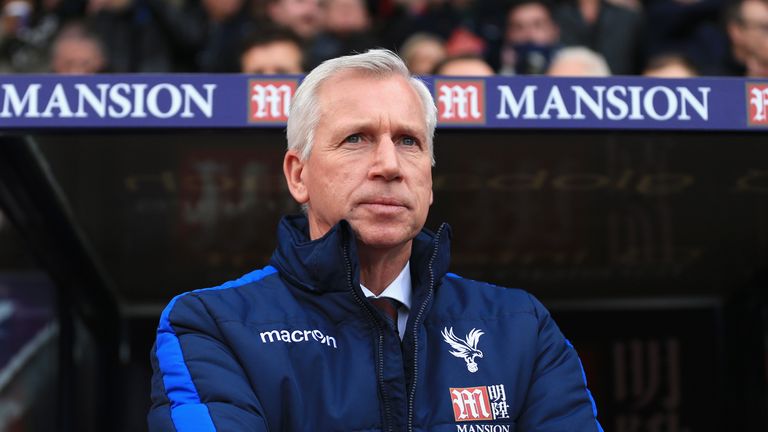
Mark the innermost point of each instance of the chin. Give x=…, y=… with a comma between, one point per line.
x=378, y=238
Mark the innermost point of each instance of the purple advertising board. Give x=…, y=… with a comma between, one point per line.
x=243, y=101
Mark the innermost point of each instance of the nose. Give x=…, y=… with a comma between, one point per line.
x=386, y=163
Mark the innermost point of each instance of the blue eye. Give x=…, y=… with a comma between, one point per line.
x=353, y=139
x=409, y=141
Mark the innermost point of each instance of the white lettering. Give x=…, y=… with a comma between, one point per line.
x=154, y=94
x=191, y=94
x=555, y=101
x=508, y=101
x=483, y=428
x=296, y=336
x=98, y=104
x=17, y=104
x=617, y=102
x=636, y=113
x=138, y=100
x=272, y=335
x=58, y=101
x=122, y=101
x=651, y=109
x=594, y=105
x=701, y=106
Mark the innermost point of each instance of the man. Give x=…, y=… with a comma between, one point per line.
x=272, y=52
x=464, y=65
x=747, y=25
x=356, y=324
x=531, y=37
x=76, y=51
x=606, y=27
x=578, y=62
x=422, y=52
x=303, y=17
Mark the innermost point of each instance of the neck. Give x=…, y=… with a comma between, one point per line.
x=379, y=267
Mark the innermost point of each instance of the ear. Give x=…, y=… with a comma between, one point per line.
x=293, y=168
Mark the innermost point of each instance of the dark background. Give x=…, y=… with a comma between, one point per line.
x=650, y=248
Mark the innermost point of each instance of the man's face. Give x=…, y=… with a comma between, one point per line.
x=280, y=57
x=77, y=56
x=754, y=25
x=369, y=164
x=301, y=16
x=346, y=16
x=531, y=23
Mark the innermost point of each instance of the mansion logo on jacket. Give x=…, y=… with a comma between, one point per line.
x=484, y=403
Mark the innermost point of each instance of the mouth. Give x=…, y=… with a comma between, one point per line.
x=384, y=204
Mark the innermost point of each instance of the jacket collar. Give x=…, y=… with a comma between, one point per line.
x=322, y=264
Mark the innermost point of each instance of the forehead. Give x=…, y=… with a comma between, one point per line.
x=527, y=12
x=755, y=8
x=363, y=96
x=274, y=51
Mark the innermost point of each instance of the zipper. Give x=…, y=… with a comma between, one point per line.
x=380, y=347
x=416, y=322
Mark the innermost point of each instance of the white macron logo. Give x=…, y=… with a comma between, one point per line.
x=465, y=348
x=295, y=336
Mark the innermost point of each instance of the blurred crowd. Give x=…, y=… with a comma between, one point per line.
x=664, y=38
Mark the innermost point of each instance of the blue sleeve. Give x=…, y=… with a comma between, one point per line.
x=558, y=398
x=198, y=384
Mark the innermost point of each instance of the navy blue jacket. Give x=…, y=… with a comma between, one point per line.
x=297, y=347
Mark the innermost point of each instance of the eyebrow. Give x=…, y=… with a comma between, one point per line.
x=354, y=126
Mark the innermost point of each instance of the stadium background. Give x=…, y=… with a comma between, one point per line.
x=647, y=239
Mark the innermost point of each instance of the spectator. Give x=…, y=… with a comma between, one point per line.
x=747, y=25
x=670, y=66
x=347, y=30
x=530, y=38
x=613, y=31
x=578, y=62
x=463, y=42
x=148, y=35
x=227, y=26
x=272, y=52
x=692, y=28
x=467, y=26
x=76, y=51
x=422, y=52
x=466, y=65
x=303, y=17
x=27, y=29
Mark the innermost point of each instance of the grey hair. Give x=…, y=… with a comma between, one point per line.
x=593, y=63
x=304, y=114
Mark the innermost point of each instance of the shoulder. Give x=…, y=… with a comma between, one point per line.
x=486, y=298
x=228, y=300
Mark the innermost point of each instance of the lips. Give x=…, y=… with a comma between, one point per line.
x=385, y=202
x=384, y=205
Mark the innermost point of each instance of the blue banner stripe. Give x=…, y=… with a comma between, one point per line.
x=521, y=102
x=187, y=411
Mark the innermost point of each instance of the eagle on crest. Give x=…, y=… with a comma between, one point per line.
x=464, y=348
